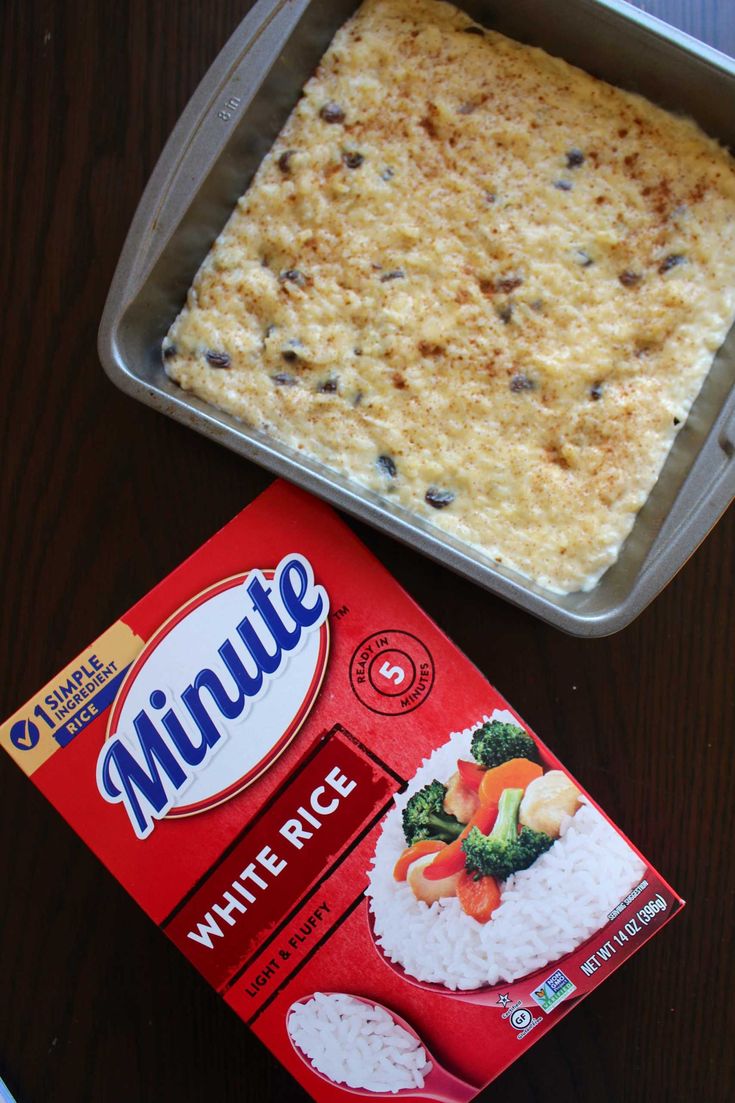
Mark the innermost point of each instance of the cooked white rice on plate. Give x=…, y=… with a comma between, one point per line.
x=545, y=911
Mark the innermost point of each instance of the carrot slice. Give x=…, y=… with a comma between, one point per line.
x=516, y=773
x=409, y=856
x=451, y=859
x=478, y=898
x=471, y=773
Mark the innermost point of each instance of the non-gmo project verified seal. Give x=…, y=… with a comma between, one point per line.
x=553, y=990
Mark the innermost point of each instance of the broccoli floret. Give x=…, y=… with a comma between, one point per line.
x=504, y=850
x=498, y=742
x=424, y=816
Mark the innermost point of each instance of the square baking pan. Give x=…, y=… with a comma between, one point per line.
x=210, y=158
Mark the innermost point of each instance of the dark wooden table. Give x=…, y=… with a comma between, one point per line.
x=101, y=497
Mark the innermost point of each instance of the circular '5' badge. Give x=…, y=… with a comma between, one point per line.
x=392, y=672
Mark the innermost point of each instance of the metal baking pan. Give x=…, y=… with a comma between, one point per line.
x=213, y=152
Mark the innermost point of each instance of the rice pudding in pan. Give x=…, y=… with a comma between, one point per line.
x=477, y=281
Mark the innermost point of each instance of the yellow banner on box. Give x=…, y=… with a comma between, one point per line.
x=75, y=697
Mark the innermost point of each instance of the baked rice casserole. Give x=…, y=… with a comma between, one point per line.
x=475, y=280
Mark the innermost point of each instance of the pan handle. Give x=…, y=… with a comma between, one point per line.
x=203, y=130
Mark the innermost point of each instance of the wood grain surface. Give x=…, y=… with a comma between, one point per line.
x=100, y=497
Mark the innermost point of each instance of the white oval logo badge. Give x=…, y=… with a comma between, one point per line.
x=217, y=694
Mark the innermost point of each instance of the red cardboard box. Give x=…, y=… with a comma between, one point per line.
x=240, y=748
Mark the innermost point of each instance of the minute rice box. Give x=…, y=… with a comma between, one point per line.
x=335, y=817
